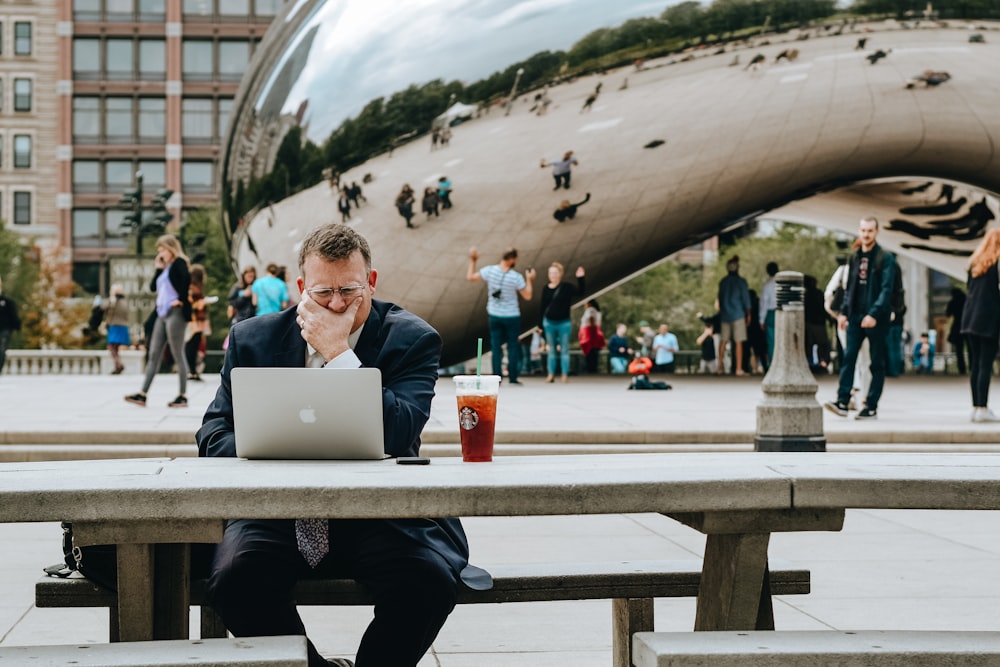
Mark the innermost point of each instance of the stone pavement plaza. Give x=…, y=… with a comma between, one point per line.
x=886, y=570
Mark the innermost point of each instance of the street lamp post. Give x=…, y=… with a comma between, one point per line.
x=156, y=223
x=513, y=90
x=132, y=201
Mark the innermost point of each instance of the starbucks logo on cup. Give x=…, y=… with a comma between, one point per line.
x=468, y=418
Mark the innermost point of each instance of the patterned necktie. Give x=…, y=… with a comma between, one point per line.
x=313, y=537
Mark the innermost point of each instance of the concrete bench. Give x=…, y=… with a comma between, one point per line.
x=245, y=652
x=822, y=648
x=631, y=585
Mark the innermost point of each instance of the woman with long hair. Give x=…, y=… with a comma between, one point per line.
x=171, y=282
x=981, y=322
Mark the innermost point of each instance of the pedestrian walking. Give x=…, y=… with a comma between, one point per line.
x=981, y=322
x=171, y=283
x=865, y=315
x=116, y=317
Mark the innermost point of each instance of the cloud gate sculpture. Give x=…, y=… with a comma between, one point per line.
x=671, y=150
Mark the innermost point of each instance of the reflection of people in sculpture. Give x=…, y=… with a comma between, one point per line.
x=404, y=204
x=789, y=55
x=755, y=62
x=589, y=102
x=429, y=204
x=344, y=205
x=938, y=209
x=877, y=56
x=929, y=78
x=969, y=226
x=567, y=211
x=947, y=192
x=861, y=44
x=561, y=169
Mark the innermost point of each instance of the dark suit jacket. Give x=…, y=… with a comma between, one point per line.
x=879, y=288
x=405, y=348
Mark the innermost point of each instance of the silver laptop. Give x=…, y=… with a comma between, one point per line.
x=308, y=413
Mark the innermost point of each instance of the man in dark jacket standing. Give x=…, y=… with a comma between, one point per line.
x=9, y=323
x=865, y=314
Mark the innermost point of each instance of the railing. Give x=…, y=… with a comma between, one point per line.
x=70, y=362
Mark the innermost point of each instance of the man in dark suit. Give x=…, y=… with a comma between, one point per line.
x=411, y=567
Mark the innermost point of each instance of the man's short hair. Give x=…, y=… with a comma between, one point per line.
x=334, y=242
x=870, y=218
x=510, y=253
x=772, y=268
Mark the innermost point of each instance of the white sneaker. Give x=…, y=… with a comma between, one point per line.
x=984, y=415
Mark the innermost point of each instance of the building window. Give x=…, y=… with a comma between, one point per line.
x=205, y=60
x=86, y=120
x=154, y=174
x=152, y=60
x=194, y=8
x=118, y=128
x=1, y=37
x=86, y=176
x=225, y=108
x=22, y=151
x=98, y=229
x=265, y=7
x=152, y=10
x=1, y=95
x=86, y=59
x=233, y=59
x=119, y=175
x=22, y=94
x=196, y=121
x=86, y=229
x=118, y=10
x=87, y=10
x=196, y=177
x=22, y=208
x=197, y=55
x=152, y=120
x=22, y=38
x=1, y=163
x=234, y=7
x=118, y=64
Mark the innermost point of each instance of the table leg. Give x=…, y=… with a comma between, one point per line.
x=628, y=616
x=172, y=591
x=135, y=592
x=731, y=581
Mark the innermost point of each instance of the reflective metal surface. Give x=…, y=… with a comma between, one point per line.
x=670, y=153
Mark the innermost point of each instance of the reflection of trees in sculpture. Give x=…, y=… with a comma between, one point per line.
x=906, y=9
x=938, y=209
x=965, y=228
x=387, y=123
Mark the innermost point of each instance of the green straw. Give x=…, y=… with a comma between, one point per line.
x=479, y=360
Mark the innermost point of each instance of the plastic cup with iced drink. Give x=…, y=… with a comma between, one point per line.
x=477, y=410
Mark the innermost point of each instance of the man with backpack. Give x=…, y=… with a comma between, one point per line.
x=865, y=314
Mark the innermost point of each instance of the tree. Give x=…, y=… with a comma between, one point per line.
x=50, y=316
x=674, y=293
x=203, y=233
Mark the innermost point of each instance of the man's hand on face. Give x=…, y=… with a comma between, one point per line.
x=325, y=328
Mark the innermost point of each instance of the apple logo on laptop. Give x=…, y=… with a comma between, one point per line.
x=307, y=415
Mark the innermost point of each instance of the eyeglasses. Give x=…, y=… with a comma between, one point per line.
x=323, y=295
